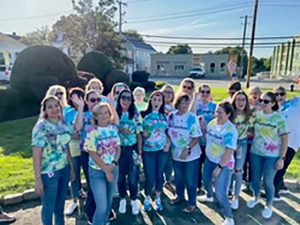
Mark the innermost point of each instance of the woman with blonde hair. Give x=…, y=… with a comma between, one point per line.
x=52, y=160
x=103, y=145
x=96, y=85
x=60, y=92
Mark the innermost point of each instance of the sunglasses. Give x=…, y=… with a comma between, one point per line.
x=187, y=87
x=280, y=94
x=93, y=100
x=205, y=92
x=265, y=101
x=59, y=93
x=124, y=98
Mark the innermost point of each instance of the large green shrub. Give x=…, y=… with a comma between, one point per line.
x=38, y=67
x=113, y=77
x=97, y=63
x=140, y=76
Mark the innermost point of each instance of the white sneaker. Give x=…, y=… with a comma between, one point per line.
x=235, y=203
x=71, y=209
x=122, y=206
x=267, y=212
x=228, y=221
x=252, y=203
x=204, y=198
x=135, y=207
x=277, y=199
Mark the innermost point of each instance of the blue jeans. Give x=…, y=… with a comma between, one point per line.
x=53, y=199
x=103, y=193
x=76, y=184
x=168, y=168
x=222, y=183
x=90, y=205
x=186, y=174
x=127, y=168
x=240, y=158
x=263, y=167
x=154, y=165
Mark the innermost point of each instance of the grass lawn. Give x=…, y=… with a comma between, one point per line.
x=15, y=152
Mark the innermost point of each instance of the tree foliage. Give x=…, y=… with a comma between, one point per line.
x=42, y=36
x=180, y=49
x=133, y=33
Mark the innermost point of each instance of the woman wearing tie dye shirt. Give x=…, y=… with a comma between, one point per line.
x=52, y=160
x=155, y=148
x=268, y=150
x=221, y=141
x=184, y=132
x=131, y=149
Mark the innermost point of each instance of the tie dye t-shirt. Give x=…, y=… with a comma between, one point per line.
x=218, y=138
x=104, y=141
x=182, y=128
x=206, y=110
x=53, y=139
x=267, y=131
x=242, y=126
x=133, y=125
x=154, y=125
x=87, y=124
x=290, y=111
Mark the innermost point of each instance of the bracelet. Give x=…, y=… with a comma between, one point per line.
x=114, y=162
x=220, y=166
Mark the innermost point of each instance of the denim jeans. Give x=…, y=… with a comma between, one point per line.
x=168, y=168
x=103, y=193
x=202, y=159
x=55, y=192
x=240, y=158
x=222, y=183
x=76, y=184
x=185, y=175
x=278, y=180
x=263, y=167
x=127, y=168
x=154, y=165
x=90, y=205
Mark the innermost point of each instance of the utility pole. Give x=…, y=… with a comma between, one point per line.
x=121, y=14
x=243, y=46
x=251, y=44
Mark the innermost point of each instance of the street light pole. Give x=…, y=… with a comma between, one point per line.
x=243, y=47
x=251, y=45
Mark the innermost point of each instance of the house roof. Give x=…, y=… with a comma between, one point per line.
x=138, y=43
x=8, y=38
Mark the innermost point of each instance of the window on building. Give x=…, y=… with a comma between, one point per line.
x=212, y=67
x=222, y=67
x=179, y=67
x=161, y=67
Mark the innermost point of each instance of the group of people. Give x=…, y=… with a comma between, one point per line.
x=206, y=144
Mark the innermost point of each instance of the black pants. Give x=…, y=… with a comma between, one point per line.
x=278, y=180
x=202, y=159
x=247, y=165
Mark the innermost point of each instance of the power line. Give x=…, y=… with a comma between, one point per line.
x=137, y=1
x=222, y=10
x=35, y=17
x=215, y=38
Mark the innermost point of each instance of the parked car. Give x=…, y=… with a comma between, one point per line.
x=5, y=72
x=197, y=72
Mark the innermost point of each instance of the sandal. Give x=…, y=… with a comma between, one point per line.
x=189, y=209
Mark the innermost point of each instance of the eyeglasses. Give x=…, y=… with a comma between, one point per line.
x=187, y=87
x=124, y=98
x=93, y=100
x=265, y=101
x=241, y=99
x=205, y=92
x=59, y=93
x=280, y=94
x=168, y=92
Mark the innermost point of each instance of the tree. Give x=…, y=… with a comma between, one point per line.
x=238, y=52
x=42, y=36
x=267, y=63
x=133, y=33
x=92, y=28
x=180, y=49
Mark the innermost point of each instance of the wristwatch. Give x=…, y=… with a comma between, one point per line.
x=114, y=162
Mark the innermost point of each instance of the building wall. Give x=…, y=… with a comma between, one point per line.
x=181, y=64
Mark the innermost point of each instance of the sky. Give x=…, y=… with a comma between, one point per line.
x=192, y=18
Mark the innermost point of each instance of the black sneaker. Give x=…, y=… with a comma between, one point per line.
x=112, y=216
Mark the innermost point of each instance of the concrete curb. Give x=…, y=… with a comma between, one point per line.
x=30, y=194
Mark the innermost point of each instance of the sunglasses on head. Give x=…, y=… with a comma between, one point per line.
x=93, y=100
x=59, y=93
x=280, y=94
x=187, y=87
x=265, y=101
x=124, y=98
x=205, y=92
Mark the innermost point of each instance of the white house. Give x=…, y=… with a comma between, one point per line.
x=138, y=54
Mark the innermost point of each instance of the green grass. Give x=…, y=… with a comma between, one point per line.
x=15, y=152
